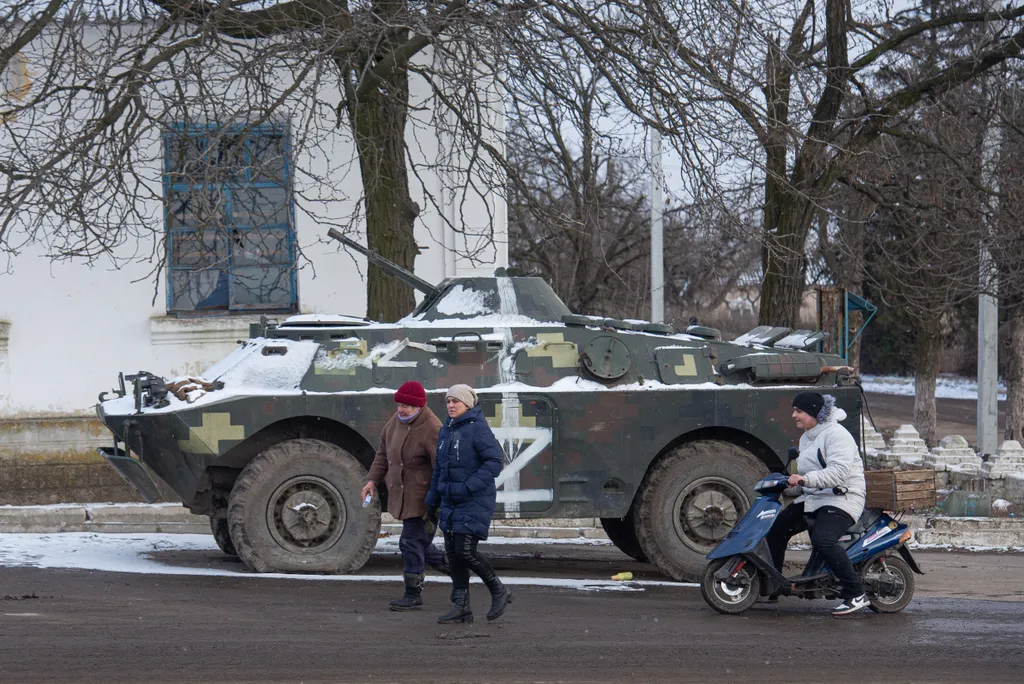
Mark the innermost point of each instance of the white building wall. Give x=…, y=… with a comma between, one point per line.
x=67, y=329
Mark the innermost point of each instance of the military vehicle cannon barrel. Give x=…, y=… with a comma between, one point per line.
x=389, y=267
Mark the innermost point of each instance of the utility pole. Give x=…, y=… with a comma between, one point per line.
x=988, y=313
x=988, y=308
x=657, y=233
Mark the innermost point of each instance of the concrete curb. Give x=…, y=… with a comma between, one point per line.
x=169, y=518
x=965, y=533
x=174, y=518
x=929, y=531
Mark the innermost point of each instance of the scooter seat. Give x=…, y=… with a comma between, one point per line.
x=861, y=527
x=867, y=519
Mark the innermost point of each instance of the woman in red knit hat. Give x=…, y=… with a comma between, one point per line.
x=405, y=463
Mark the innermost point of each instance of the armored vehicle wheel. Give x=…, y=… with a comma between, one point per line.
x=690, y=500
x=221, y=534
x=622, y=532
x=296, y=508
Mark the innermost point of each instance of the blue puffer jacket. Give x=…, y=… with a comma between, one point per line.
x=468, y=460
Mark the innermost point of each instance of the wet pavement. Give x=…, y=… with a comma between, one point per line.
x=948, y=574
x=88, y=626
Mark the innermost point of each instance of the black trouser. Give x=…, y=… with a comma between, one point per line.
x=417, y=546
x=830, y=523
x=463, y=557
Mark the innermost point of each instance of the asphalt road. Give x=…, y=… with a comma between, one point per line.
x=953, y=416
x=81, y=626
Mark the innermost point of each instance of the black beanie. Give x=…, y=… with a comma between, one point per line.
x=809, y=402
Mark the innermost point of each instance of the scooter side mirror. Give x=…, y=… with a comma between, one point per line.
x=792, y=456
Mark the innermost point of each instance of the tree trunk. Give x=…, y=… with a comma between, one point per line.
x=379, y=128
x=376, y=86
x=792, y=201
x=929, y=348
x=1015, y=376
x=785, y=265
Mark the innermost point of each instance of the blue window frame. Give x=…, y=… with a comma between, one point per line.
x=230, y=220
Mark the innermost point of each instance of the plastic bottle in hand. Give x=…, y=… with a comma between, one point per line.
x=367, y=499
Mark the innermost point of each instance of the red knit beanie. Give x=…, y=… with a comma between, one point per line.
x=412, y=394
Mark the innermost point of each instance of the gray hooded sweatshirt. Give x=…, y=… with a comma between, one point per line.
x=843, y=467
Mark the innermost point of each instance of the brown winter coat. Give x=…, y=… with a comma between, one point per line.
x=405, y=462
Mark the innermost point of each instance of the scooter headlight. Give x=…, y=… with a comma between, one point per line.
x=772, y=484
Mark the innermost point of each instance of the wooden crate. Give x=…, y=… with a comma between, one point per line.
x=899, y=490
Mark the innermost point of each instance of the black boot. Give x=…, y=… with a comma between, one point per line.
x=461, y=611
x=501, y=596
x=413, y=588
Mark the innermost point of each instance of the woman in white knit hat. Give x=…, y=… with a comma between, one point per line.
x=462, y=498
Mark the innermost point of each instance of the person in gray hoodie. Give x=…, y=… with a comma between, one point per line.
x=830, y=488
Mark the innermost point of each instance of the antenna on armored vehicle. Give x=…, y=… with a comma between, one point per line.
x=389, y=267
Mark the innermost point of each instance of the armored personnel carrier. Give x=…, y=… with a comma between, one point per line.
x=659, y=433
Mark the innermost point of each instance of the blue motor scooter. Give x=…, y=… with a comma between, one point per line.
x=740, y=568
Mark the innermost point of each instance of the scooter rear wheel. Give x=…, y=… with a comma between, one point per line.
x=898, y=575
x=730, y=599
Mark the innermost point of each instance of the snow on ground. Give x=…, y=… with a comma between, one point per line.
x=132, y=553
x=946, y=386
x=972, y=548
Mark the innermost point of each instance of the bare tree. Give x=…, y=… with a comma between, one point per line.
x=579, y=214
x=914, y=263
x=923, y=218
x=911, y=229
x=579, y=194
x=755, y=94
x=712, y=264
x=780, y=94
x=1008, y=255
x=926, y=197
x=82, y=148
x=598, y=265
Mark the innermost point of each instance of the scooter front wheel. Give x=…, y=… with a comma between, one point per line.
x=894, y=581
x=735, y=593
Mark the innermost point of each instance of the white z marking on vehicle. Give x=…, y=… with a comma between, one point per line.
x=539, y=439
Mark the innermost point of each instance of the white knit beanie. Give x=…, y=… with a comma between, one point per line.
x=463, y=393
